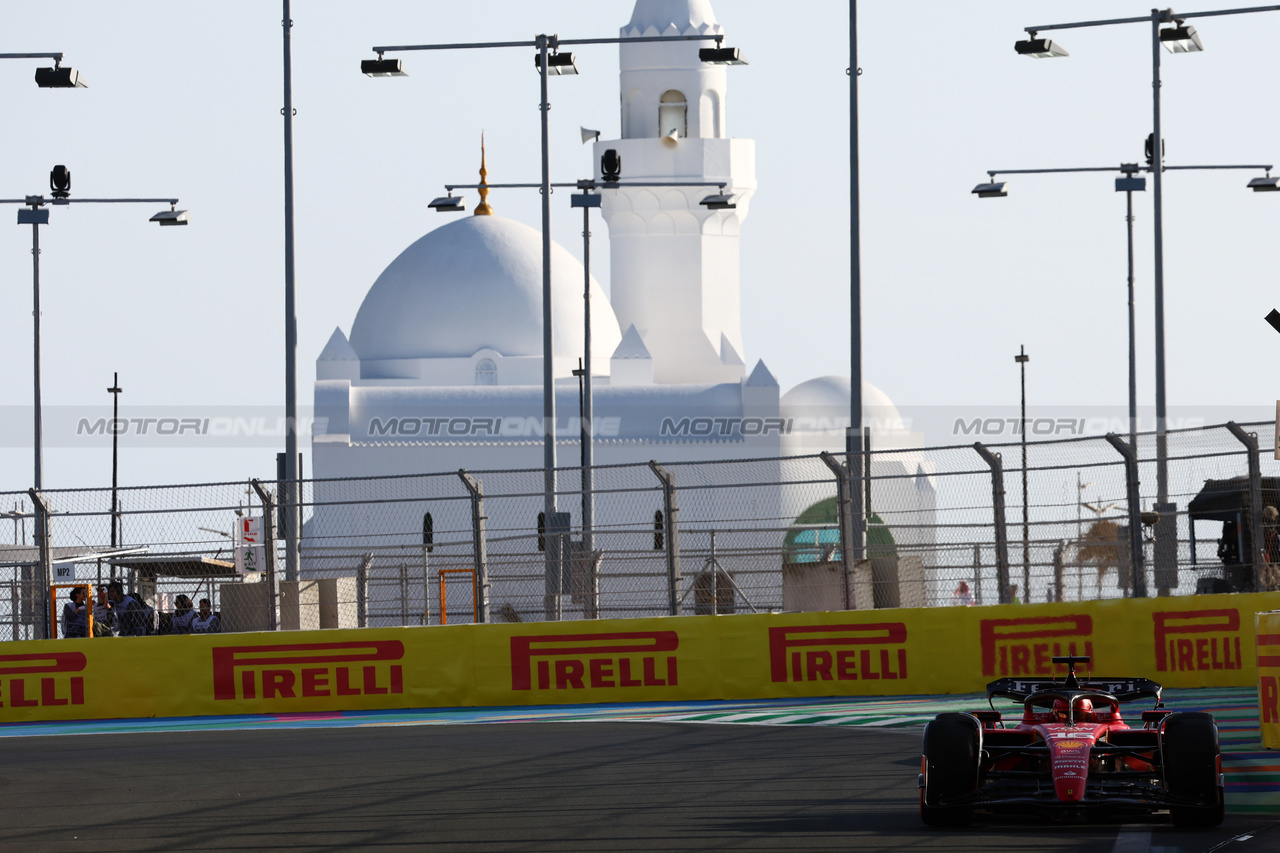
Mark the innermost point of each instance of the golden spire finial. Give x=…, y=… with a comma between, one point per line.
x=483, y=208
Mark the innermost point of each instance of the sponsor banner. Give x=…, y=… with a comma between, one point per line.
x=1200, y=641
x=1268, y=638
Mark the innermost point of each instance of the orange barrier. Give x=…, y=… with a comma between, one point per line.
x=475, y=603
x=53, y=604
x=1193, y=641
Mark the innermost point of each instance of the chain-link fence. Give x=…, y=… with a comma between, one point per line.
x=1083, y=519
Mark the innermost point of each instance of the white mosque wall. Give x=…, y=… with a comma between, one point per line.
x=383, y=518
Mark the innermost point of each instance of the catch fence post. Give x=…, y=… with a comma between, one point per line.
x=673, y=535
x=362, y=591
x=479, y=548
x=1134, y=500
x=46, y=564
x=428, y=544
x=269, y=537
x=1002, y=535
x=1256, y=521
x=844, y=502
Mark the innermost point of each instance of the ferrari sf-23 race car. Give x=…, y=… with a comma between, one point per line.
x=1071, y=757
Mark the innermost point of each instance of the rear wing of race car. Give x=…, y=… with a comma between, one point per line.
x=1124, y=689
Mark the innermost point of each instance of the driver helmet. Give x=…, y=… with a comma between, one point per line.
x=1084, y=709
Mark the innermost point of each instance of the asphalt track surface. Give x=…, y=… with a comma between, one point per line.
x=519, y=787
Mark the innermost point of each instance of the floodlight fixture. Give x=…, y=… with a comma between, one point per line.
x=60, y=182
x=1148, y=149
x=1182, y=38
x=381, y=67
x=1131, y=183
x=584, y=200
x=1273, y=317
x=172, y=216
x=722, y=56
x=33, y=216
x=611, y=166
x=1039, y=48
x=448, y=204
x=1265, y=185
x=557, y=63
x=59, y=77
x=995, y=189
x=719, y=201
x=589, y=134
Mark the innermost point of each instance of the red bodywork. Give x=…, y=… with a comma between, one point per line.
x=1070, y=745
x=1072, y=756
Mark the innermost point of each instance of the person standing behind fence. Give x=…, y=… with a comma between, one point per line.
x=131, y=616
x=183, y=615
x=207, y=622
x=962, y=596
x=104, y=617
x=1270, y=549
x=75, y=615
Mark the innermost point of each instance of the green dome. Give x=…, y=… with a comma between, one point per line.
x=816, y=533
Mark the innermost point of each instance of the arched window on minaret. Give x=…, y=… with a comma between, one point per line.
x=710, y=109
x=486, y=372
x=673, y=113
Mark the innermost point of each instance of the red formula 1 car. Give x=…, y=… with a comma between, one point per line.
x=1071, y=756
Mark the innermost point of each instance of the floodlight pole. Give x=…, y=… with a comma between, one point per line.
x=1133, y=352
x=38, y=482
x=587, y=432
x=853, y=439
x=587, y=425
x=1166, y=548
x=36, y=215
x=290, y=497
x=1165, y=555
x=1022, y=358
x=548, y=369
x=1129, y=169
x=115, y=391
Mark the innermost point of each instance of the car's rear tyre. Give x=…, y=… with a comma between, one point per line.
x=951, y=769
x=1191, y=767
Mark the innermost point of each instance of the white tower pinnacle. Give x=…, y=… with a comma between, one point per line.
x=674, y=264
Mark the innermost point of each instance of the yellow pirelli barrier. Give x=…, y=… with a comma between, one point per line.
x=1201, y=641
x=1268, y=632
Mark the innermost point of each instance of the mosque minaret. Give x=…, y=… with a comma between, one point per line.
x=675, y=265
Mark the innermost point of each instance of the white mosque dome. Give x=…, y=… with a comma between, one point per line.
x=823, y=404
x=473, y=284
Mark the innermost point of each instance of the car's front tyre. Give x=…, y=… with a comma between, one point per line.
x=1191, y=769
x=951, y=748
